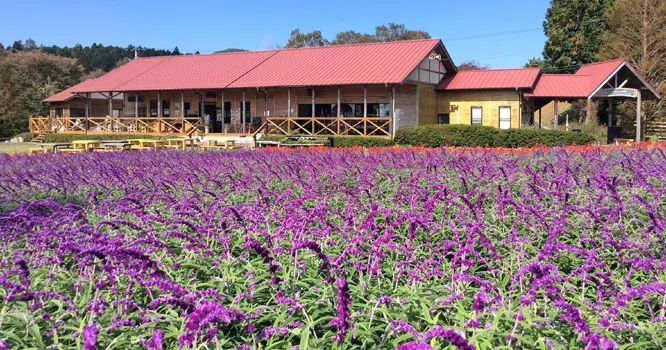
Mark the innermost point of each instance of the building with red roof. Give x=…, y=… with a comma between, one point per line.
x=361, y=89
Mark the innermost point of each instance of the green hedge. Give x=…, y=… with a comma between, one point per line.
x=352, y=141
x=338, y=141
x=485, y=136
x=65, y=137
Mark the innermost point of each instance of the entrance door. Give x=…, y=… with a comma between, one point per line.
x=505, y=117
x=210, y=109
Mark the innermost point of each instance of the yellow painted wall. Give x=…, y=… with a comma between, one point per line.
x=427, y=104
x=459, y=106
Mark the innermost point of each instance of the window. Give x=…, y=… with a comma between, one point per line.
x=153, y=108
x=188, y=110
x=443, y=118
x=58, y=112
x=477, y=116
x=133, y=98
x=505, y=117
x=166, y=111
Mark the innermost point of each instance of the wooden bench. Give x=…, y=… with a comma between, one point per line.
x=37, y=150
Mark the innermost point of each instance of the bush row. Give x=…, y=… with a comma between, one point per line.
x=485, y=136
x=65, y=137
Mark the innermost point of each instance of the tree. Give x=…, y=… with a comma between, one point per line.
x=30, y=44
x=26, y=78
x=535, y=62
x=231, y=49
x=575, y=30
x=175, y=51
x=352, y=37
x=17, y=45
x=637, y=32
x=471, y=65
x=94, y=74
x=298, y=39
x=398, y=32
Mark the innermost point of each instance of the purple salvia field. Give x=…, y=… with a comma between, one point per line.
x=396, y=248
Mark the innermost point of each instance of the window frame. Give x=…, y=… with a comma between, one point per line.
x=471, y=115
x=499, y=117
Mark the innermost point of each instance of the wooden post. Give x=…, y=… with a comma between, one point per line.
x=110, y=104
x=182, y=111
x=313, y=103
x=338, y=113
x=288, y=103
x=159, y=112
x=224, y=113
x=243, y=113
x=393, y=120
x=556, y=115
x=540, y=117
x=610, y=113
x=265, y=104
x=638, y=115
x=365, y=102
x=136, y=105
x=85, y=125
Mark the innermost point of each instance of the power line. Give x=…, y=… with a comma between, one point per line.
x=488, y=35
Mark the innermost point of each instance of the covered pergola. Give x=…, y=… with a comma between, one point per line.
x=614, y=80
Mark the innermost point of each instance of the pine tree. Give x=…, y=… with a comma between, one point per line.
x=575, y=30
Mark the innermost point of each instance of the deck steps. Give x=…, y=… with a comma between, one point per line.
x=40, y=137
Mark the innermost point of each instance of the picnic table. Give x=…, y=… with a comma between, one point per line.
x=86, y=145
x=153, y=143
x=116, y=145
x=226, y=144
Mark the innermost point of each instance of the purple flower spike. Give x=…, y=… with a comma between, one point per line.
x=341, y=321
x=90, y=337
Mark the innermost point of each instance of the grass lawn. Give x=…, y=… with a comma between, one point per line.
x=16, y=147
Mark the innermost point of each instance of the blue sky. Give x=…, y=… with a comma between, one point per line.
x=497, y=33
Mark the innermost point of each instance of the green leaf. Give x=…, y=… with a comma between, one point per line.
x=305, y=337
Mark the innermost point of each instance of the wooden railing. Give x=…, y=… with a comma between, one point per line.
x=169, y=125
x=344, y=126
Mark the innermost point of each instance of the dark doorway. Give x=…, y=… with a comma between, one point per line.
x=443, y=118
x=210, y=109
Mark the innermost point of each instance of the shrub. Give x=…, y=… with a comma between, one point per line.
x=485, y=136
x=65, y=137
x=351, y=141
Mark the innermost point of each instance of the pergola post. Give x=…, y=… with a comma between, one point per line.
x=638, y=115
x=244, y=111
x=556, y=115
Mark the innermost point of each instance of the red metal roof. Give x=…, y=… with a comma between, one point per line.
x=599, y=72
x=214, y=71
x=521, y=78
x=61, y=96
x=561, y=85
x=375, y=63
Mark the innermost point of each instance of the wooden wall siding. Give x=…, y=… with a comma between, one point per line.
x=405, y=103
x=98, y=107
x=489, y=100
x=427, y=101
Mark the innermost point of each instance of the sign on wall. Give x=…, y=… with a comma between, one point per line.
x=617, y=92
